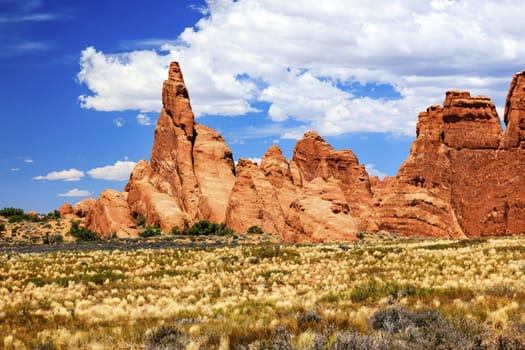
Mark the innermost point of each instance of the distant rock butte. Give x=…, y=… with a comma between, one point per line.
x=463, y=178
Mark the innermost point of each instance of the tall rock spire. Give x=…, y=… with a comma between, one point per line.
x=176, y=100
x=514, y=116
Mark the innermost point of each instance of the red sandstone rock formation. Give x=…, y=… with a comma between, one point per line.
x=82, y=208
x=65, y=209
x=215, y=171
x=333, y=191
x=111, y=215
x=514, y=116
x=277, y=171
x=191, y=171
x=253, y=201
x=463, y=178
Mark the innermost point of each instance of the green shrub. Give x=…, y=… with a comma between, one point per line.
x=54, y=215
x=10, y=211
x=206, y=228
x=175, y=230
x=150, y=231
x=255, y=229
x=2, y=227
x=17, y=218
x=82, y=234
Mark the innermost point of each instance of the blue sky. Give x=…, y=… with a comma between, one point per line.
x=80, y=81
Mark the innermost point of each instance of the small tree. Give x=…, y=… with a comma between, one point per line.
x=206, y=228
x=150, y=231
x=2, y=227
x=10, y=211
x=82, y=234
x=17, y=218
x=203, y=227
x=175, y=230
x=255, y=229
x=54, y=215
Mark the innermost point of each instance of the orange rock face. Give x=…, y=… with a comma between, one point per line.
x=111, y=215
x=463, y=178
x=463, y=175
x=515, y=112
x=215, y=172
x=82, y=208
x=253, y=201
x=65, y=209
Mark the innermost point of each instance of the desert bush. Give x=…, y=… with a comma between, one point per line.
x=54, y=215
x=166, y=337
x=53, y=239
x=206, y=228
x=424, y=329
x=82, y=234
x=352, y=340
x=17, y=218
x=310, y=317
x=15, y=215
x=278, y=339
x=2, y=227
x=255, y=229
x=150, y=231
x=10, y=211
x=175, y=230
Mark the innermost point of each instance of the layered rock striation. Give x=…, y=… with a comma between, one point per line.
x=463, y=178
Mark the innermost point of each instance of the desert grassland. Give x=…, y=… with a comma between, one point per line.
x=248, y=296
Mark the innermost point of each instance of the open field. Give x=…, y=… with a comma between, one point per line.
x=390, y=294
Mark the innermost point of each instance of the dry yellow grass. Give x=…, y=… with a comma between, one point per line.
x=220, y=297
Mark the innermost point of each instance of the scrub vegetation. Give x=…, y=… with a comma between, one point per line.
x=387, y=294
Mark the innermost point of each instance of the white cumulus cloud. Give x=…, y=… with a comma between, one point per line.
x=372, y=171
x=303, y=58
x=75, y=192
x=119, y=82
x=65, y=175
x=119, y=171
x=143, y=119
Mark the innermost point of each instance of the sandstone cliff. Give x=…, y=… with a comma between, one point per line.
x=190, y=173
x=463, y=178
